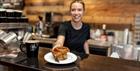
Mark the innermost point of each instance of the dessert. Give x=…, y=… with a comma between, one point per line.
x=60, y=53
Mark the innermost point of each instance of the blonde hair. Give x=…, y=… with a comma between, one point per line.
x=78, y=1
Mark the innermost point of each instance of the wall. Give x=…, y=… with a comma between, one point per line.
x=97, y=11
x=116, y=12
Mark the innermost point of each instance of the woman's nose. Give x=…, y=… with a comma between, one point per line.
x=76, y=12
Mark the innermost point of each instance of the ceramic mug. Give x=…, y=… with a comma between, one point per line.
x=30, y=48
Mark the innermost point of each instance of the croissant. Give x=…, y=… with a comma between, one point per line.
x=60, y=53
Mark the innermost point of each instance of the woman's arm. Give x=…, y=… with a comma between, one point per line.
x=60, y=41
x=86, y=47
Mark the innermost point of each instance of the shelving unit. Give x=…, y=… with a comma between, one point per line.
x=136, y=29
x=12, y=4
x=13, y=25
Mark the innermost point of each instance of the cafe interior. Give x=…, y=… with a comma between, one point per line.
x=114, y=43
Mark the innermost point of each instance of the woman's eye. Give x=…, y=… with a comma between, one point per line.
x=73, y=9
x=76, y=9
x=79, y=9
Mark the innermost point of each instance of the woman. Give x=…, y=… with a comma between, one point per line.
x=39, y=26
x=74, y=34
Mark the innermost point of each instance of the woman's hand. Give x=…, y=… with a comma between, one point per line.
x=86, y=47
x=56, y=45
x=59, y=42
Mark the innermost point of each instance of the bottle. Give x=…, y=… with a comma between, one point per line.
x=38, y=29
x=104, y=35
x=110, y=37
x=104, y=29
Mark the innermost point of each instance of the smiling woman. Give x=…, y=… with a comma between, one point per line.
x=75, y=33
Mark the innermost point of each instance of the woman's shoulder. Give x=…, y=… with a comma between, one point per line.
x=86, y=25
x=66, y=23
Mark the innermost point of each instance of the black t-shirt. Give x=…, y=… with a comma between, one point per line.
x=74, y=39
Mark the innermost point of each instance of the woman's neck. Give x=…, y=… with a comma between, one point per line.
x=77, y=25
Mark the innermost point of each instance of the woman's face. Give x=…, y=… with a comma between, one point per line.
x=77, y=11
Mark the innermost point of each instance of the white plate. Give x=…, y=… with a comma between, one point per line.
x=71, y=58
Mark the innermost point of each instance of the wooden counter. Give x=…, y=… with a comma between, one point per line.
x=90, y=41
x=90, y=63
x=103, y=47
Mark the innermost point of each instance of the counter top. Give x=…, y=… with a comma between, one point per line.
x=13, y=25
x=99, y=44
x=90, y=63
x=90, y=41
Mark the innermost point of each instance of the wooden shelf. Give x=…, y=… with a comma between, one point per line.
x=13, y=25
x=112, y=26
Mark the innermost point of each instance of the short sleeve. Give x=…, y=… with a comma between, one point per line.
x=88, y=32
x=62, y=29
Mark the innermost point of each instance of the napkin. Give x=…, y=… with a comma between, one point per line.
x=115, y=55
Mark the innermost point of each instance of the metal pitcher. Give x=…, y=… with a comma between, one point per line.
x=7, y=38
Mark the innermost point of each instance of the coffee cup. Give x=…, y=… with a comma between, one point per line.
x=30, y=48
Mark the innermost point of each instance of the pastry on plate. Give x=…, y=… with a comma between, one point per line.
x=60, y=53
